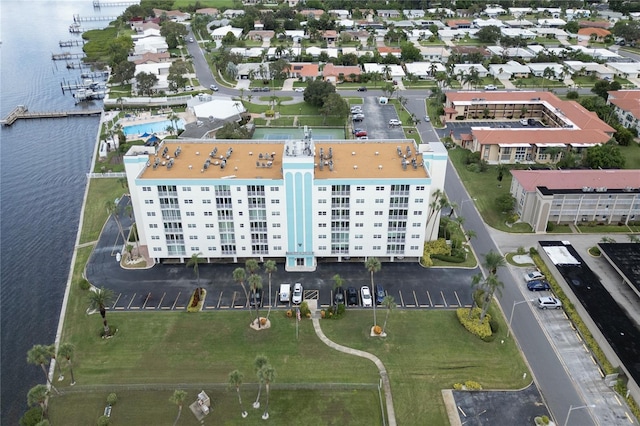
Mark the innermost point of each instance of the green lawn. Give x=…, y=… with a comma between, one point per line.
x=282, y=122
x=484, y=187
x=95, y=213
x=631, y=155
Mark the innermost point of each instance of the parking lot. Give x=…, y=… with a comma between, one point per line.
x=460, y=127
x=376, y=121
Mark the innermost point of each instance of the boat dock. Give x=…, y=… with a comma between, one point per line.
x=66, y=56
x=22, y=112
x=71, y=43
x=98, y=4
x=77, y=18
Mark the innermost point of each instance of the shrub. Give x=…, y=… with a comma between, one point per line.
x=473, y=167
x=197, y=298
x=495, y=325
x=323, y=313
x=112, y=399
x=270, y=113
x=304, y=309
x=457, y=386
x=438, y=246
x=472, y=385
x=289, y=313
x=520, y=251
x=377, y=329
x=473, y=326
x=103, y=421
x=594, y=251
x=84, y=284
x=450, y=259
x=550, y=226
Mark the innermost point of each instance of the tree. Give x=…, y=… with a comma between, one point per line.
x=493, y=261
x=409, y=52
x=270, y=267
x=38, y=395
x=195, y=261
x=178, y=398
x=505, y=203
x=235, y=380
x=258, y=363
x=491, y=286
x=373, y=265
x=39, y=355
x=176, y=77
x=112, y=209
x=255, y=285
x=52, y=356
x=572, y=27
x=607, y=156
x=547, y=73
x=334, y=105
x=145, y=82
x=317, y=91
x=239, y=276
x=98, y=300
x=123, y=72
x=602, y=87
x=229, y=39
x=266, y=375
x=489, y=34
x=438, y=202
x=627, y=29
x=389, y=303
x=67, y=350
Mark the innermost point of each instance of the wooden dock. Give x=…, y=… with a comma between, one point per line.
x=71, y=43
x=78, y=19
x=98, y=4
x=64, y=56
x=22, y=112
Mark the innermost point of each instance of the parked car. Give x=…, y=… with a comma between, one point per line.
x=255, y=299
x=297, y=294
x=361, y=133
x=265, y=89
x=524, y=121
x=188, y=87
x=352, y=296
x=394, y=122
x=356, y=130
x=213, y=87
x=362, y=89
x=338, y=296
x=299, y=89
x=359, y=116
x=549, y=303
x=285, y=293
x=356, y=109
x=533, y=275
x=380, y=294
x=490, y=87
x=256, y=89
x=366, y=296
x=426, y=118
x=538, y=285
x=191, y=40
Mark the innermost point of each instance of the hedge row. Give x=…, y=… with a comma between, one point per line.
x=450, y=259
x=473, y=324
x=436, y=247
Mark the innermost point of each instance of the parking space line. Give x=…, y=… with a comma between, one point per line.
x=119, y=308
x=444, y=299
x=176, y=301
x=161, y=299
x=166, y=307
x=455, y=293
x=429, y=297
x=439, y=305
x=116, y=302
x=132, y=299
x=179, y=307
x=401, y=299
x=144, y=305
x=415, y=298
x=219, y=300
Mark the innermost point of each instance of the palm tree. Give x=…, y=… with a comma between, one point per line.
x=373, y=265
x=338, y=281
x=67, y=350
x=178, y=398
x=98, y=300
x=173, y=117
x=258, y=363
x=52, y=355
x=270, y=267
x=195, y=261
x=255, y=284
x=252, y=266
x=438, y=202
x=493, y=261
x=235, y=380
x=239, y=276
x=112, y=209
x=389, y=303
x=633, y=238
x=267, y=374
x=491, y=286
x=39, y=355
x=476, y=284
x=38, y=395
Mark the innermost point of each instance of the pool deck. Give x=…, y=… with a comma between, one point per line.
x=146, y=118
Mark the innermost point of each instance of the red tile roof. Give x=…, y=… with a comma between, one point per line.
x=305, y=70
x=386, y=49
x=600, y=32
x=627, y=100
x=335, y=70
x=577, y=179
x=535, y=136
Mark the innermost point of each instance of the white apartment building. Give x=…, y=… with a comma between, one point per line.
x=294, y=201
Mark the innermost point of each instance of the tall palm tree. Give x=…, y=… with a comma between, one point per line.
x=492, y=285
x=373, y=265
x=258, y=363
x=235, y=380
x=255, y=284
x=39, y=355
x=112, y=209
x=52, y=355
x=195, y=261
x=338, y=281
x=239, y=276
x=438, y=202
x=267, y=375
x=98, y=300
x=493, y=261
x=252, y=266
x=178, y=398
x=174, y=118
x=66, y=350
x=476, y=284
x=270, y=267
x=38, y=395
x=389, y=303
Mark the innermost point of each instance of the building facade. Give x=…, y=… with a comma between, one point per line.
x=294, y=200
x=576, y=196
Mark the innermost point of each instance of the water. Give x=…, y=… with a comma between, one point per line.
x=151, y=128
x=42, y=181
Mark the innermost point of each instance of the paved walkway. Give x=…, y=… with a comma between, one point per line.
x=507, y=83
x=391, y=414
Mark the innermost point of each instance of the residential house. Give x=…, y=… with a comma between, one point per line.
x=292, y=3
x=519, y=12
x=518, y=32
x=574, y=196
x=160, y=70
x=252, y=70
x=304, y=71
x=511, y=69
x=232, y=13
x=296, y=35
x=347, y=24
x=554, y=12
x=150, y=58
x=601, y=54
x=426, y=23
x=288, y=52
x=340, y=73
x=390, y=72
x=595, y=24
x=453, y=34
x=441, y=12
x=330, y=36
x=389, y=13
x=518, y=23
x=258, y=25
x=386, y=50
x=360, y=36
x=551, y=33
x=339, y=13
x=511, y=52
x=210, y=11
x=219, y=33
x=418, y=34
x=413, y=13
x=173, y=15
x=552, y=22
x=312, y=13
x=593, y=34
x=424, y=70
x=493, y=11
x=465, y=69
x=252, y=52
x=315, y=51
x=457, y=24
x=152, y=44
x=261, y=35
x=480, y=23
x=590, y=68
x=559, y=71
x=435, y=53
x=465, y=51
x=625, y=69
x=572, y=14
x=626, y=104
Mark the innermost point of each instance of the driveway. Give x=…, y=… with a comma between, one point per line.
x=376, y=121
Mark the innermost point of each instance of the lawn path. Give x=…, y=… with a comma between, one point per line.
x=383, y=371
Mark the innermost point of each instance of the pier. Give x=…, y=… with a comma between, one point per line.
x=22, y=112
x=77, y=18
x=71, y=43
x=98, y=4
x=66, y=56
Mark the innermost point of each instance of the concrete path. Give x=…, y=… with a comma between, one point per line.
x=391, y=415
x=507, y=83
x=287, y=86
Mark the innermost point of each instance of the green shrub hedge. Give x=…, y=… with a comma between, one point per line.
x=473, y=324
x=450, y=259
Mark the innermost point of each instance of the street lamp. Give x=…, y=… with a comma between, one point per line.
x=571, y=408
x=512, y=310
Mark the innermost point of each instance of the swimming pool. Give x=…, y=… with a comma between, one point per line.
x=150, y=128
x=284, y=133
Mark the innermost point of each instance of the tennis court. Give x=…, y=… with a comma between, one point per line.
x=284, y=133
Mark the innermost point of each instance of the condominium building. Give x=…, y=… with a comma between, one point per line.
x=576, y=196
x=294, y=200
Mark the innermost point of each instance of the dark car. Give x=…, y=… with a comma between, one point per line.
x=265, y=89
x=361, y=133
x=338, y=297
x=255, y=299
x=538, y=285
x=256, y=89
x=379, y=294
x=352, y=296
x=362, y=89
x=356, y=130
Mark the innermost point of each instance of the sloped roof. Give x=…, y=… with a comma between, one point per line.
x=627, y=100
x=577, y=179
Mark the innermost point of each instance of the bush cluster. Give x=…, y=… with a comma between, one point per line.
x=450, y=259
x=334, y=312
x=473, y=325
x=304, y=309
x=438, y=247
x=468, y=385
x=377, y=329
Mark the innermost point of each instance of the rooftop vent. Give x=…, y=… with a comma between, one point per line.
x=380, y=167
x=355, y=167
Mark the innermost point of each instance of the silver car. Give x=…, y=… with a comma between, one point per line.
x=297, y=294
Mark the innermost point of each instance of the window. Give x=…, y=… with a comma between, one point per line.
x=193, y=237
x=151, y=213
x=359, y=213
x=322, y=213
x=191, y=225
x=157, y=249
x=276, y=225
x=209, y=225
x=359, y=188
x=376, y=247
x=377, y=236
x=322, y=201
x=359, y=236
x=379, y=200
x=357, y=247
x=274, y=189
x=277, y=237
x=188, y=201
x=377, y=225
x=275, y=213
x=414, y=247
x=148, y=201
x=420, y=188
x=208, y=213
x=211, y=237
x=155, y=237
x=322, y=225
x=415, y=235
x=416, y=225
x=419, y=200
x=322, y=247
x=206, y=201
x=379, y=188
x=190, y=214
x=204, y=188
x=359, y=200
x=378, y=213
x=322, y=188
x=211, y=248
x=322, y=237
x=146, y=188
x=275, y=201
x=359, y=225
x=196, y=249
x=153, y=225
x=186, y=188
x=417, y=212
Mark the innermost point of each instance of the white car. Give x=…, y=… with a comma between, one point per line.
x=297, y=294
x=355, y=109
x=549, y=302
x=490, y=87
x=533, y=275
x=213, y=87
x=366, y=296
x=524, y=121
x=298, y=89
x=394, y=122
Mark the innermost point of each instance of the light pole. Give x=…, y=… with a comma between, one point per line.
x=464, y=201
x=571, y=408
x=512, y=310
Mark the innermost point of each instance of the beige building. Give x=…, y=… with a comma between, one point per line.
x=576, y=196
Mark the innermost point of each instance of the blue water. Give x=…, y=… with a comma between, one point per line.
x=150, y=128
x=42, y=181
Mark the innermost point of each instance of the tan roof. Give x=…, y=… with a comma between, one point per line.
x=600, y=32
x=594, y=24
x=387, y=49
x=534, y=136
x=334, y=70
x=305, y=70
x=627, y=100
x=456, y=22
x=351, y=159
x=577, y=179
x=576, y=113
